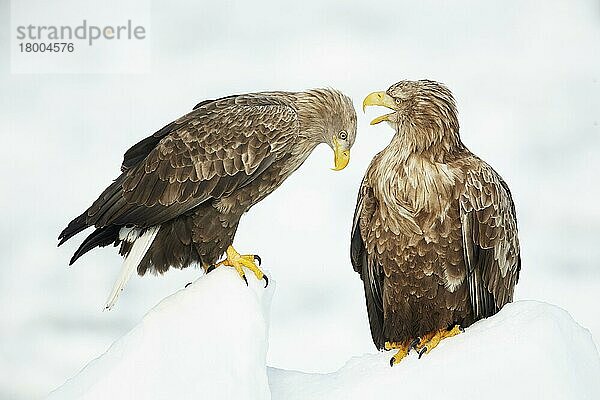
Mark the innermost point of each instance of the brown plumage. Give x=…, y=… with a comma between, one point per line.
x=434, y=236
x=195, y=177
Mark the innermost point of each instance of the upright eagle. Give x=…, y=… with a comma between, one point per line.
x=434, y=237
x=182, y=191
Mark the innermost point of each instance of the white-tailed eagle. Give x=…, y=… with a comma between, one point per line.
x=183, y=190
x=434, y=237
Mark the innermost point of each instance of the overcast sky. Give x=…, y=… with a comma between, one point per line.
x=526, y=76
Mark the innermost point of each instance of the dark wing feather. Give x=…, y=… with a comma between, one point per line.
x=366, y=265
x=220, y=146
x=490, y=240
x=140, y=150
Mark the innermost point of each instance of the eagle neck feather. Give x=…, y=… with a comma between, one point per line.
x=414, y=178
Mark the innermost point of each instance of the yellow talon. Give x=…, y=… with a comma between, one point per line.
x=403, y=349
x=238, y=261
x=431, y=340
x=248, y=262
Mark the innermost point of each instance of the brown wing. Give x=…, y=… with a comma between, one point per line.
x=220, y=146
x=490, y=241
x=371, y=272
x=208, y=153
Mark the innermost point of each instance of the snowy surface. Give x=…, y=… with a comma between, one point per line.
x=209, y=341
x=530, y=350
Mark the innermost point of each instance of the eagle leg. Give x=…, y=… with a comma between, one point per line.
x=403, y=349
x=431, y=340
x=239, y=261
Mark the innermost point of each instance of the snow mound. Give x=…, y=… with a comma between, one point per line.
x=209, y=341
x=529, y=350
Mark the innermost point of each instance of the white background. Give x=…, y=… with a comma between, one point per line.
x=526, y=76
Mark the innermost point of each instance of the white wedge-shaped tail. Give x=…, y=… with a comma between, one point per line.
x=140, y=246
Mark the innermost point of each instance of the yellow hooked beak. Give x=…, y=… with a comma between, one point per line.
x=341, y=157
x=380, y=99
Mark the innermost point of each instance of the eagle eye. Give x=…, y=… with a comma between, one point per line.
x=343, y=135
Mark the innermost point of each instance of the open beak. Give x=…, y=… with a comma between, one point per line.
x=380, y=99
x=341, y=157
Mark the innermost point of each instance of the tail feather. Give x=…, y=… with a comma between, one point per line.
x=132, y=260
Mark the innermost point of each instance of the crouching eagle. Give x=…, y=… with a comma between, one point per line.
x=434, y=237
x=183, y=190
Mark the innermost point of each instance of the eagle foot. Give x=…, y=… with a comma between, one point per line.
x=239, y=261
x=431, y=340
x=403, y=350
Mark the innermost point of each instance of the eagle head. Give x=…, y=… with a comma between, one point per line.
x=328, y=116
x=341, y=132
x=424, y=113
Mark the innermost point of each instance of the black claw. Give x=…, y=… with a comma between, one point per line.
x=210, y=268
x=257, y=258
x=460, y=328
x=266, y=278
x=245, y=280
x=422, y=351
x=414, y=343
x=392, y=362
x=188, y=284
